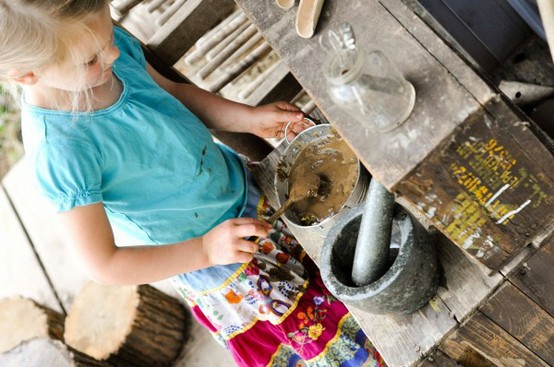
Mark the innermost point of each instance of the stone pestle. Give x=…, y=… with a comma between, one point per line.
x=371, y=257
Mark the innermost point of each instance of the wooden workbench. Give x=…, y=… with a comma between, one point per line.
x=466, y=163
x=465, y=157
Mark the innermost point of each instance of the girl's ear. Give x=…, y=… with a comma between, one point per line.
x=28, y=78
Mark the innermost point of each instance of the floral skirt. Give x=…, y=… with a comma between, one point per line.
x=275, y=310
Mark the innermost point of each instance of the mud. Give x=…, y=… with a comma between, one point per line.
x=336, y=164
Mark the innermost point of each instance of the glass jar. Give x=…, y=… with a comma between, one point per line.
x=369, y=87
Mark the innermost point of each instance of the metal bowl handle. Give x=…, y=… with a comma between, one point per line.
x=310, y=120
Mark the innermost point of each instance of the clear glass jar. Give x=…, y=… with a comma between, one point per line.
x=371, y=90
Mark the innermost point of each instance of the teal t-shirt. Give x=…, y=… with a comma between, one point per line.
x=150, y=161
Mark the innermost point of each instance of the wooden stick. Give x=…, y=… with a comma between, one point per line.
x=546, y=10
x=239, y=67
x=210, y=55
x=202, y=48
x=227, y=51
x=247, y=91
x=169, y=12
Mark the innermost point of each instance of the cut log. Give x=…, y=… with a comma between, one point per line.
x=127, y=325
x=22, y=319
x=47, y=352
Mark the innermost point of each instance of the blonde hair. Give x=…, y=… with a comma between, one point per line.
x=35, y=34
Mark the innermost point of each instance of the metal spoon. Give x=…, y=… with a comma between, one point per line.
x=308, y=186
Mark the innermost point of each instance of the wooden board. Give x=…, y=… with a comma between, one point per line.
x=438, y=359
x=535, y=277
x=20, y=271
x=523, y=319
x=423, y=158
x=480, y=339
x=488, y=194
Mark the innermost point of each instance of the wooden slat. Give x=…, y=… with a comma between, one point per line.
x=523, y=319
x=20, y=271
x=535, y=277
x=481, y=340
x=438, y=359
x=190, y=23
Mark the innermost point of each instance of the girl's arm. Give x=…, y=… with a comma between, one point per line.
x=88, y=230
x=216, y=112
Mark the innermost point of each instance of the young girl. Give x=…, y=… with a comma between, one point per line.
x=114, y=143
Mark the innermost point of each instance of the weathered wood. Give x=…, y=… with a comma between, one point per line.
x=523, y=319
x=127, y=325
x=535, y=277
x=23, y=319
x=181, y=31
x=502, y=195
x=47, y=352
x=454, y=108
x=20, y=270
x=438, y=359
x=480, y=339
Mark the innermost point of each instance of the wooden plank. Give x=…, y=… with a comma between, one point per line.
x=422, y=159
x=438, y=359
x=191, y=22
x=535, y=277
x=466, y=282
x=20, y=271
x=38, y=217
x=489, y=194
x=523, y=319
x=481, y=339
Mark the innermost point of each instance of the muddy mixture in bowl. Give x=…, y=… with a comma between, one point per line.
x=337, y=166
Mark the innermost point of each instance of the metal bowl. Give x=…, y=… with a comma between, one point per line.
x=317, y=134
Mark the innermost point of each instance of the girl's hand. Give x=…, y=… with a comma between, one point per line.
x=226, y=243
x=269, y=121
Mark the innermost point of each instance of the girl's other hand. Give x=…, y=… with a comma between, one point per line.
x=226, y=243
x=270, y=120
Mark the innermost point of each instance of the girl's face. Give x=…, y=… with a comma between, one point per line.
x=96, y=54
